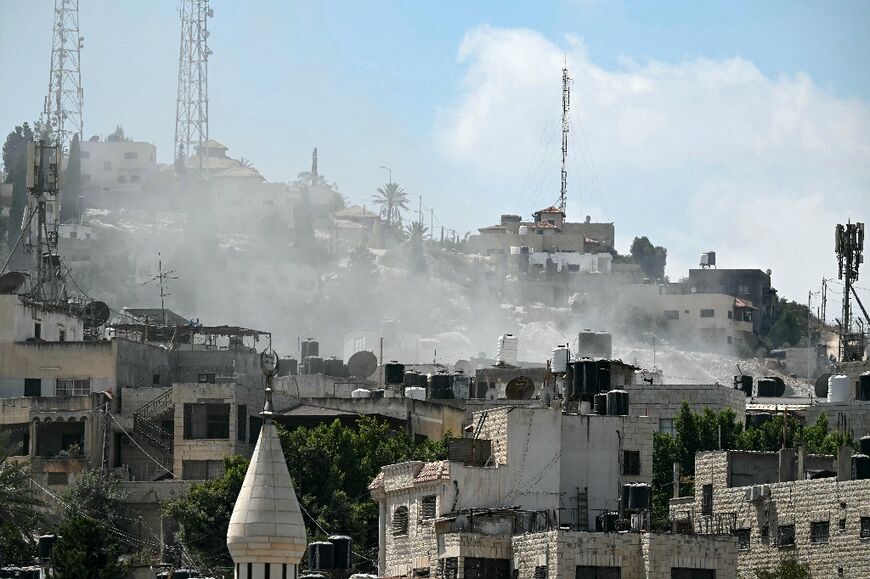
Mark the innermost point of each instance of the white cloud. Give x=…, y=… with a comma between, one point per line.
x=758, y=168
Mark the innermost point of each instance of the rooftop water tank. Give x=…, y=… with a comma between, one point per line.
x=334, y=366
x=361, y=393
x=864, y=445
x=321, y=556
x=508, y=348
x=313, y=365
x=743, y=383
x=767, y=387
x=394, y=373
x=288, y=366
x=864, y=386
x=559, y=359
x=599, y=404
x=342, y=552
x=46, y=544
x=617, y=403
x=524, y=229
x=440, y=387
x=861, y=466
x=461, y=386
x=838, y=388
x=639, y=497
x=415, y=393
x=310, y=348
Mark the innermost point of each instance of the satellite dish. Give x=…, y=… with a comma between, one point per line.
x=362, y=364
x=464, y=366
x=520, y=388
x=12, y=282
x=96, y=314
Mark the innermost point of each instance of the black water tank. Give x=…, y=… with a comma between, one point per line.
x=342, y=552
x=599, y=404
x=46, y=544
x=440, y=387
x=412, y=378
x=767, y=388
x=606, y=522
x=321, y=556
x=310, y=348
x=864, y=445
x=394, y=373
x=334, y=367
x=861, y=466
x=288, y=367
x=639, y=497
x=821, y=388
x=314, y=365
x=864, y=386
x=743, y=383
x=586, y=379
x=617, y=403
x=377, y=394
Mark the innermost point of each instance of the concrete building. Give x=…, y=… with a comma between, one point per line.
x=749, y=285
x=116, y=168
x=266, y=535
x=782, y=505
x=529, y=505
x=548, y=232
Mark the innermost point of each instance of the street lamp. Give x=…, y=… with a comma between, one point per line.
x=390, y=171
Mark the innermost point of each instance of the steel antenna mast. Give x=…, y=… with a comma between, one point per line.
x=191, y=106
x=161, y=278
x=63, y=103
x=566, y=105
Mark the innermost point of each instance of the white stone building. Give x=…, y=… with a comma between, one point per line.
x=782, y=505
x=116, y=167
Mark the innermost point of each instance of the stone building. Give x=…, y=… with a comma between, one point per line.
x=782, y=505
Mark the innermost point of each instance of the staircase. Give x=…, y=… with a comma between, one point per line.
x=146, y=428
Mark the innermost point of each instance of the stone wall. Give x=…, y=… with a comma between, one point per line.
x=663, y=401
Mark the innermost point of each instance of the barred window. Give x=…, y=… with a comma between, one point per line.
x=541, y=572
x=427, y=507
x=400, y=521
x=73, y=387
x=785, y=535
x=819, y=532
x=707, y=500
x=865, y=527
x=744, y=538
x=631, y=462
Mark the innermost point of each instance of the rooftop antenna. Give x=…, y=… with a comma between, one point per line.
x=161, y=278
x=566, y=105
x=43, y=183
x=63, y=103
x=849, y=247
x=191, y=106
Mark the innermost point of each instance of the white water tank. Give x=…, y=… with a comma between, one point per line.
x=524, y=229
x=559, y=359
x=508, y=346
x=415, y=392
x=361, y=393
x=838, y=388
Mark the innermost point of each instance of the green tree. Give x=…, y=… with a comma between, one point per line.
x=117, y=135
x=18, y=516
x=361, y=266
x=15, y=165
x=787, y=569
x=651, y=259
x=98, y=495
x=85, y=550
x=72, y=183
x=392, y=199
x=415, y=233
x=203, y=515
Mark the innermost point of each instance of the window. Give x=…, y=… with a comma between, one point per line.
x=785, y=535
x=865, y=527
x=743, y=539
x=842, y=524
x=687, y=573
x=85, y=154
x=206, y=378
x=242, y=422
x=210, y=421
x=33, y=386
x=707, y=500
x=708, y=313
x=58, y=478
x=427, y=507
x=107, y=165
x=672, y=314
x=592, y=572
x=631, y=462
x=729, y=339
x=73, y=234
x=134, y=178
x=37, y=331
x=743, y=289
x=155, y=379
x=486, y=568
x=202, y=469
x=122, y=179
x=666, y=426
x=819, y=532
x=400, y=521
x=131, y=155
x=541, y=572
x=61, y=335
x=730, y=314
x=72, y=387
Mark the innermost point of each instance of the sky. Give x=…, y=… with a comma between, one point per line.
x=738, y=127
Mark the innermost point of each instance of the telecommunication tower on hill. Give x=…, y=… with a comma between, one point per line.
x=191, y=108
x=849, y=247
x=63, y=103
x=566, y=106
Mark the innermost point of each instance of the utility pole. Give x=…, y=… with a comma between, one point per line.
x=849, y=247
x=822, y=316
x=191, y=105
x=420, y=210
x=431, y=223
x=63, y=103
x=566, y=105
x=810, y=345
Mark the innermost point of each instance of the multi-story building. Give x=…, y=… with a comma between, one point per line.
x=783, y=505
x=116, y=168
x=750, y=286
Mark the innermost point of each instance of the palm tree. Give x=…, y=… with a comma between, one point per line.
x=392, y=200
x=416, y=231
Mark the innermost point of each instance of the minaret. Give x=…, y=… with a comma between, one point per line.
x=314, y=176
x=266, y=536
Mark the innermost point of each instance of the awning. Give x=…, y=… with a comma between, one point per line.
x=738, y=303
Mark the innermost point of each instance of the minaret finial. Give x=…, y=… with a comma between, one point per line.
x=269, y=366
